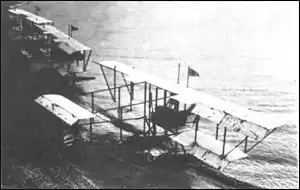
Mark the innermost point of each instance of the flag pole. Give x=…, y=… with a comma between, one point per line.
x=188, y=76
x=178, y=76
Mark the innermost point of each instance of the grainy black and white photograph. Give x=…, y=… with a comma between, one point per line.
x=149, y=94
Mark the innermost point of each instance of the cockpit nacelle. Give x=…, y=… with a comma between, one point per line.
x=170, y=117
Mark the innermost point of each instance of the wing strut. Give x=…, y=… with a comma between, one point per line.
x=245, y=139
x=224, y=141
x=106, y=81
x=217, y=128
x=258, y=142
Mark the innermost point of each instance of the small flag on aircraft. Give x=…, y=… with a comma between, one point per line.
x=74, y=28
x=193, y=73
x=38, y=9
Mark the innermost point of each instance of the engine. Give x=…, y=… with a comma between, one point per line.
x=169, y=117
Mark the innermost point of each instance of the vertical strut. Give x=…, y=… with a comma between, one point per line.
x=84, y=60
x=149, y=108
x=165, y=103
x=121, y=129
x=120, y=112
x=178, y=74
x=93, y=102
x=246, y=142
x=217, y=131
x=224, y=140
x=196, y=129
x=131, y=94
x=115, y=81
x=87, y=60
x=150, y=100
x=165, y=97
x=145, y=107
x=156, y=97
x=119, y=97
x=91, y=128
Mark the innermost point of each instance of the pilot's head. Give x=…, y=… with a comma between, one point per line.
x=174, y=104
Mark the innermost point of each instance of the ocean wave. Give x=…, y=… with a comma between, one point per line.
x=291, y=160
x=290, y=129
x=249, y=91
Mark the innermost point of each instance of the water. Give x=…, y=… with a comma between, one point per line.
x=244, y=52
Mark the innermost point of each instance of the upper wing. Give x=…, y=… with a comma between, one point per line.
x=63, y=108
x=30, y=16
x=207, y=106
x=231, y=115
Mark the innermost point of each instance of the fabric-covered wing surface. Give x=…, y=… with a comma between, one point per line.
x=63, y=108
x=209, y=149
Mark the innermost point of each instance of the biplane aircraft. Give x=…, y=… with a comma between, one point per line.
x=228, y=117
x=60, y=121
x=43, y=39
